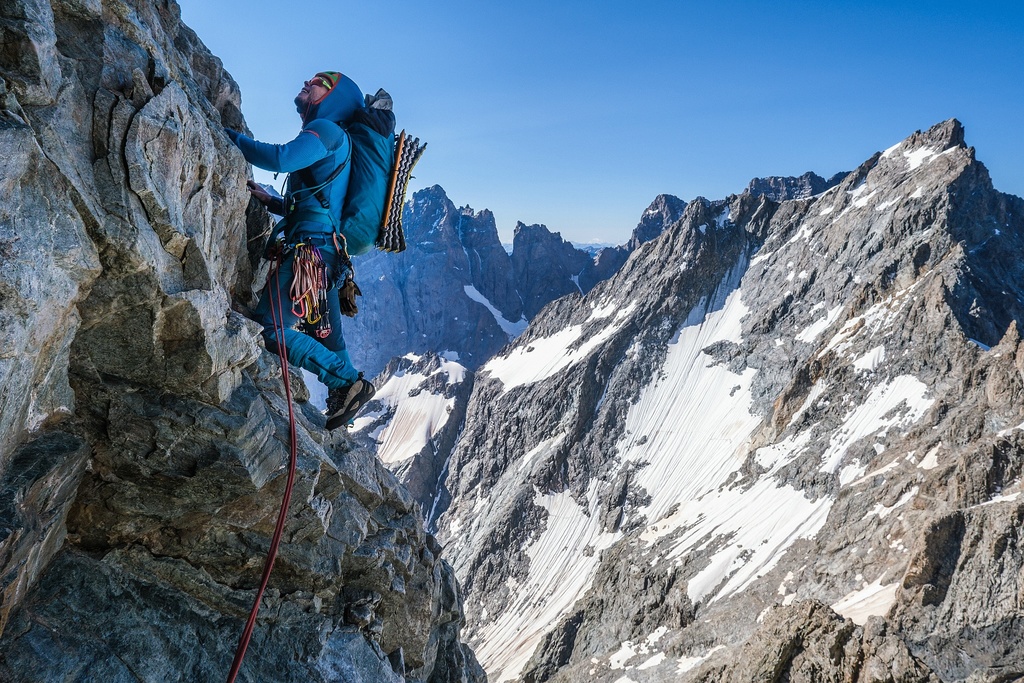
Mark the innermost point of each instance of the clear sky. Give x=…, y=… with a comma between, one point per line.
x=577, y=114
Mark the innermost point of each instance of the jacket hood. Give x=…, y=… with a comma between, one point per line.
x=338, y=104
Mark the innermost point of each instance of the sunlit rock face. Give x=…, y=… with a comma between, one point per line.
x=143, y=428
x=455, y=290
x=434, y=314
x=784, y=441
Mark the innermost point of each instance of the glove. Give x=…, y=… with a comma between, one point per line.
x=233, y=135
x=347, y=294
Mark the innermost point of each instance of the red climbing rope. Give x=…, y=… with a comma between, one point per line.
x=278, y=316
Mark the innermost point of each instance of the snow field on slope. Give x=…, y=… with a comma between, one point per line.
x=692, y=446
x=690, y=424
x=545, y=357
x=691, y=428
x=512, y=329
x=417, y=419
x=562, y=565
x=897, y=403
x=873, y=599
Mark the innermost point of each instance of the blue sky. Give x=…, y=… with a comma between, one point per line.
x=576, y=115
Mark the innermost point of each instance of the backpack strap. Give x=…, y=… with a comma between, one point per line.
x=306, y=176
x=309, y=183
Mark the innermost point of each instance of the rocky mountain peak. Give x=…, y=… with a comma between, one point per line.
x=949, y=133
x=780, y=189
x=544, y=265
x=777, y=418
x=663, y=211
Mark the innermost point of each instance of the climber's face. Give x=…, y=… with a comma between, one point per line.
x=313, y=90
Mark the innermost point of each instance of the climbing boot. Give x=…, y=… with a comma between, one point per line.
x=343, y=403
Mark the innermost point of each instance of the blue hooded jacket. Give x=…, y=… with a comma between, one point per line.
x=321, y=146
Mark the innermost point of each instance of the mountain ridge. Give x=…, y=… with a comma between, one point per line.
x=831, y=266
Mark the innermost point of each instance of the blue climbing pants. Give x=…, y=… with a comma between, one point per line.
x=327, y=358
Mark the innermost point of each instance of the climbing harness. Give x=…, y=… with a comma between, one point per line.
x=277, y=312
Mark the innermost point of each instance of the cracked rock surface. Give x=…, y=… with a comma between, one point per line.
x=143, y=428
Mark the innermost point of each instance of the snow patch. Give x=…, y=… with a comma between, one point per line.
x=512, y=329
x=813, y=395
x=776, y=455
x=1004, y=432
x=759, y=523
x=871, y=360
x=888, y=152
x=545, y=357
x=722, y=219
x=918, y=156
x=1002, y=499
x=873, y=599
x=811, y=332
x=538, y=452
x=882, y=511
x=880, y=471
x=652, y=662
x=762, y=255
x=576, y=281
x=418, y=415
x=688, y=663
x=861, y=202
x=804, y=233
x=563, y=561
x=625, y=653
x=879, y=411
x=931, y=459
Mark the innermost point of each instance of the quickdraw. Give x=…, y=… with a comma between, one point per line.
x=308, y=290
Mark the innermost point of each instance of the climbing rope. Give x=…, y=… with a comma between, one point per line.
x=277, y=313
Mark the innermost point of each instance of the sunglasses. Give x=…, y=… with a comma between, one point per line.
x=321, y=81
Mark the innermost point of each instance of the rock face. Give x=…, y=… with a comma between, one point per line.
x=456, y=287
x=780, y=189
x=451, y=291
x=456, y=290
x=663, y=212
x=783, y=442
x=143, y=430
x=544, y=265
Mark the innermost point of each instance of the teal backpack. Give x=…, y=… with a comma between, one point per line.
x=381, y=168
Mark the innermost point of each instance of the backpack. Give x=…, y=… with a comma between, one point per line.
x=381, y=166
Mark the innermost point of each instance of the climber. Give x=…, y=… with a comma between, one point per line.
x=311, y=251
